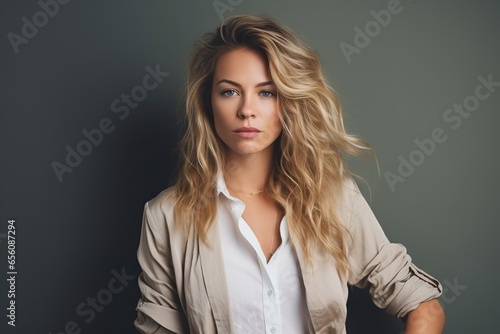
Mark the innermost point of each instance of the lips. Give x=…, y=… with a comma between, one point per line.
x=247, y=132
x=245, y=129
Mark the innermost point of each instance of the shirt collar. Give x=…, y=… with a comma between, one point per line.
x=221, y=186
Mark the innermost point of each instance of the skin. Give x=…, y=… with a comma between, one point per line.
x=243, y=96
x=427, y=318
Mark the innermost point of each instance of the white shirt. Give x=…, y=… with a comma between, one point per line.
x=264, y=297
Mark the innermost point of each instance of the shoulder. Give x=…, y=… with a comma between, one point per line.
x=349, y=193
x=351, y=202
x=349, y=187
x=159, y=212
x=161, y=204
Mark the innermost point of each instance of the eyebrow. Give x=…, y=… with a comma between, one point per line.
x=266, y=83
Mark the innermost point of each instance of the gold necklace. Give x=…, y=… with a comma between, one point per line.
x=251, y=193
x=245, y=192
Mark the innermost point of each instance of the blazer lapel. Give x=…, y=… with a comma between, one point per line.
x=320, y=279
x=212, y=266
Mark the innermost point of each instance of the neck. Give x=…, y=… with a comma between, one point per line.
x=248, y=173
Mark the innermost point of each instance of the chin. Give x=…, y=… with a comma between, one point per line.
x=246, y=150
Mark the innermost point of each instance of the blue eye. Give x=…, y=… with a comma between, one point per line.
x=267, y=93
x=229, y=92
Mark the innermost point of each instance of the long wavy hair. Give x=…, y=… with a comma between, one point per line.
x=309, y=159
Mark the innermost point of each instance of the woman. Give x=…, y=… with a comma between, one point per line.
x=264, y=229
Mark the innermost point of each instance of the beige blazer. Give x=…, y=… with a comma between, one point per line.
x=183, y=283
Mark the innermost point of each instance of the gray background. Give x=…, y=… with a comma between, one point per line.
x=72, y=234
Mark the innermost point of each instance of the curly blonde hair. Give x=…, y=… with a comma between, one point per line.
x=309, y=167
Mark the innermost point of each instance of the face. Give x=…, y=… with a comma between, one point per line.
x=244, y=103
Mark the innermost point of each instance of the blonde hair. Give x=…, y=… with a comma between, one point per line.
x=309, y=167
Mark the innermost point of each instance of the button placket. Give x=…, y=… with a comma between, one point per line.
x=271, y=305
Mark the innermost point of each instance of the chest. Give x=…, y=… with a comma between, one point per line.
x=267, y=295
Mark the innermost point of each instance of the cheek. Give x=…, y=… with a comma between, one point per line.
x=278, y=127
x=216, y=110
x=221, y=120
x=276, y=118
x=223, y=108
x=218, y=123
x=214, y=104
x=220, y=117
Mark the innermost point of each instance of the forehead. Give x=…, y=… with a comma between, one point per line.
x=242, y=65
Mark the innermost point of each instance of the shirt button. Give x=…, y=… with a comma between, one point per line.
x=273, y=329
x=269, y=293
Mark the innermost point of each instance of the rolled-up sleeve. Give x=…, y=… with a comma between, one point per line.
x=159, y=309
x=394, y=282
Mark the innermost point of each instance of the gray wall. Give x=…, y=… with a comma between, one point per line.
x=76, y=232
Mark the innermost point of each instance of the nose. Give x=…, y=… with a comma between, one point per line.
x=247, y=108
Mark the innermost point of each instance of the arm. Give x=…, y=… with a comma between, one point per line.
x=427, y=318
x=395, y=283
x=159, y=309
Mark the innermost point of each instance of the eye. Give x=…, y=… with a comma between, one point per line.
x=229, y=92
x=267, y=93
